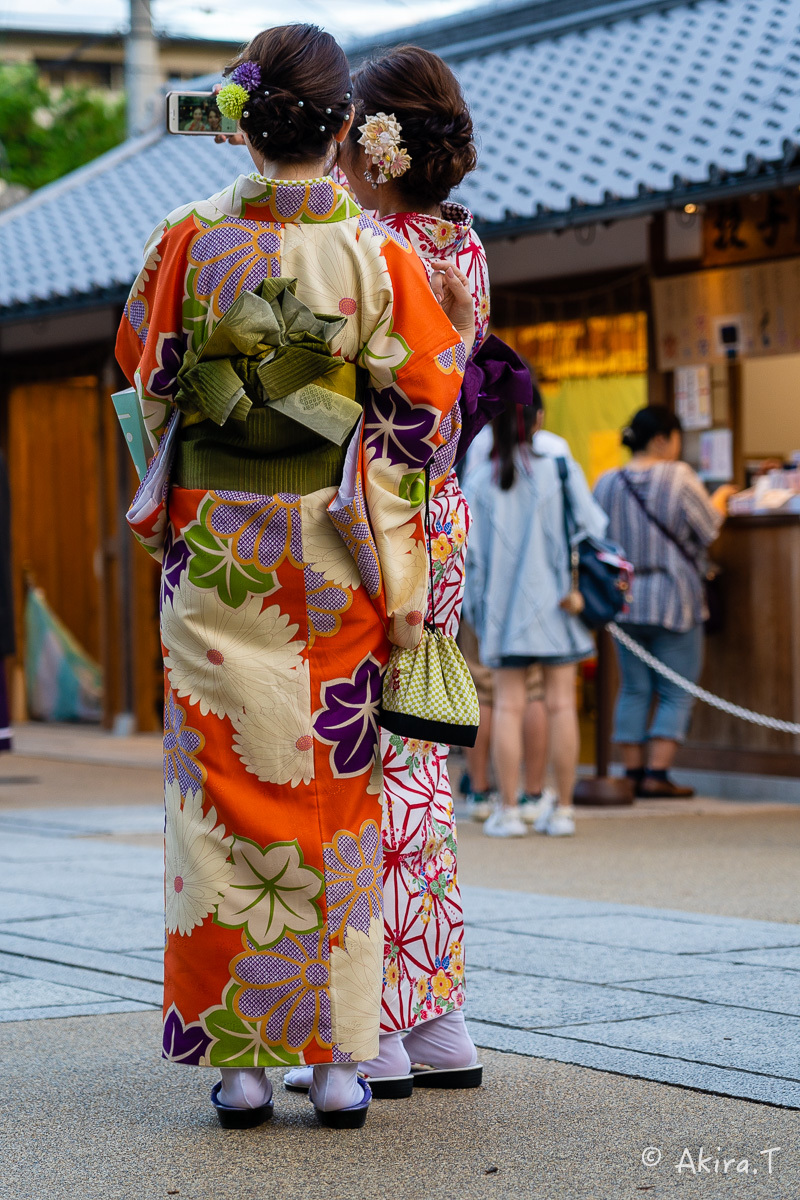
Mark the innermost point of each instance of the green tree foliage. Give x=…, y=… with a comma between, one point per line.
x=45, y=134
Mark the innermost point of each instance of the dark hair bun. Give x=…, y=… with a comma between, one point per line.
x=654, y=421
x=425, y=97
x=303, y=98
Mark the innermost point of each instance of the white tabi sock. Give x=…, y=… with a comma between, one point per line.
x=442, y=1042
x=244, y=1087
x=392, y=1058
x=335, y=1086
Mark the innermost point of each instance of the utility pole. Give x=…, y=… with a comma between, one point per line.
x=142, y=75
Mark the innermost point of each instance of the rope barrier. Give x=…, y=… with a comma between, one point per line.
x=733, y=710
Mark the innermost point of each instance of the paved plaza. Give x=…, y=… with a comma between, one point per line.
x=689, y=1021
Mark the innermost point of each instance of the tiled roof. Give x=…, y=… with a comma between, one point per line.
x=82, y=236
x=585, y=110
x=611, y=114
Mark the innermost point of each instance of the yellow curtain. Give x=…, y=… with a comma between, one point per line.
x=591, y=413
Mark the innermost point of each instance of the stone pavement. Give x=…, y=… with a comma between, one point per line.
x=703, y=1001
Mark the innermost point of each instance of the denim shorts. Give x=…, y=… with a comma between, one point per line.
x=640, y=686
x=542, y=660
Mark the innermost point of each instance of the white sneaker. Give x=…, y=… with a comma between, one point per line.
x=531, y=810
x=561, y=822
x=505, y=822
x=480, y=805
x=544, y=810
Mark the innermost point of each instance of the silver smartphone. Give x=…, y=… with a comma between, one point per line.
x=196, y=113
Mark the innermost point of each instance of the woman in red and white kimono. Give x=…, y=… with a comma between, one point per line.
x=410, y=145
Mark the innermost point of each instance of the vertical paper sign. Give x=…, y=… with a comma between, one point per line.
x=693, y=397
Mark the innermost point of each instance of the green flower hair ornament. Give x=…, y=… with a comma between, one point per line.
x=231, y=100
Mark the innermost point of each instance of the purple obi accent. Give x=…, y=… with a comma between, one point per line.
x=495, y=376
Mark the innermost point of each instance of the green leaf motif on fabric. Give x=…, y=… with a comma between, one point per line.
x=386, y=353
x=273, y=892
x=238, y=1043
x=397, y=742
x=412, y=487
x=213, y=565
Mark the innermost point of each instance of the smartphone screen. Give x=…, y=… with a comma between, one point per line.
x=196, y=113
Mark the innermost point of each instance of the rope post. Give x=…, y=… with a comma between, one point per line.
x=604, y=789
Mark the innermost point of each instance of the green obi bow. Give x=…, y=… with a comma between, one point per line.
x=271, y=350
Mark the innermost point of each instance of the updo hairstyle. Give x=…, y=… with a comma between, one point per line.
x=654, y=421
x=303, y=97
x=426, y=98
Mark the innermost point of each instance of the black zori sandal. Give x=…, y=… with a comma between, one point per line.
x=450, y=1077
x=347, y=1118
x=239, y=1118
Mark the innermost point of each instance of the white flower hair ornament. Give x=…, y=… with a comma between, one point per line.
x=380, y=137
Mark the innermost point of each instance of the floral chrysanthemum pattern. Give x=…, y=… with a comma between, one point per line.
x=287, y=989
x=276, y=741
x=182, y=746
x=197, y=870
x=353, y=879
x=223, y=659
x=274, y=626
x=356, y=978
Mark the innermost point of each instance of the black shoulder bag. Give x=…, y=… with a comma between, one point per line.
x=709, y=579
x=600, y=574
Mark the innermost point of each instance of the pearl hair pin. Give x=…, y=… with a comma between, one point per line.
x=299, y=103
x=328, y=111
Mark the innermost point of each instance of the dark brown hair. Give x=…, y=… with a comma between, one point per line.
x=654, y=421
x=425, y=97
x=304, y=96
x=512, y=428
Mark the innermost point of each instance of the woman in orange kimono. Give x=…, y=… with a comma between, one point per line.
x=270, y=326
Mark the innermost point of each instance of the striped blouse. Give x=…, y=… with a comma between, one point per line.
x=667, y=590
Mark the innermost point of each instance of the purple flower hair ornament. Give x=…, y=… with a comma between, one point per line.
x=247, y=75
x=232, y=98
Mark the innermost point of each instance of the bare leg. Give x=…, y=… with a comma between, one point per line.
x=662, y=754
x=632, y=755
x=477, y=756
x=507, y=721
x=535, y=738
x=562, y=717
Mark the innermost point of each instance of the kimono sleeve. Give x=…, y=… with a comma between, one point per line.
x=150, y=341
x=415, y=361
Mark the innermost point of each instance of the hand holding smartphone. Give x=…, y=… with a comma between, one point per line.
x=196, y=113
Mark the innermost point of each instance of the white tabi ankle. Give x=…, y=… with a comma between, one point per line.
x=442, y=1042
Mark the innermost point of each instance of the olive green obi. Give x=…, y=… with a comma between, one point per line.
x=266, y=406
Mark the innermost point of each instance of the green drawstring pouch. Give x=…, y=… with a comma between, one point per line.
x=428, y=692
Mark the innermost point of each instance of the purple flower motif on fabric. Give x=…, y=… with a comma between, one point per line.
x=348, y=719
x=176, y=556
x=378, y=229
x=286, y=987
x=354, y=879
x=446, y=455
x=266, y=530
x=321, y=198
x=352, y=525
x=183, y=1043
x=325, y=603
x=234, y=257
x=169, y=355
x=181, y=745
x=136, y=312
x=396, y=430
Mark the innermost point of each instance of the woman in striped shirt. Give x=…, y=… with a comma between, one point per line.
x=660, y=513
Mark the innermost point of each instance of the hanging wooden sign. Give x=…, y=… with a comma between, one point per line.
x=749, y=228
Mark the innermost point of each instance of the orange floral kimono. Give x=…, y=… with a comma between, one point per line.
x=290, y=561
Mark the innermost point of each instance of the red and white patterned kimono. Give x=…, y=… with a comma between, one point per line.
x=423, y=947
